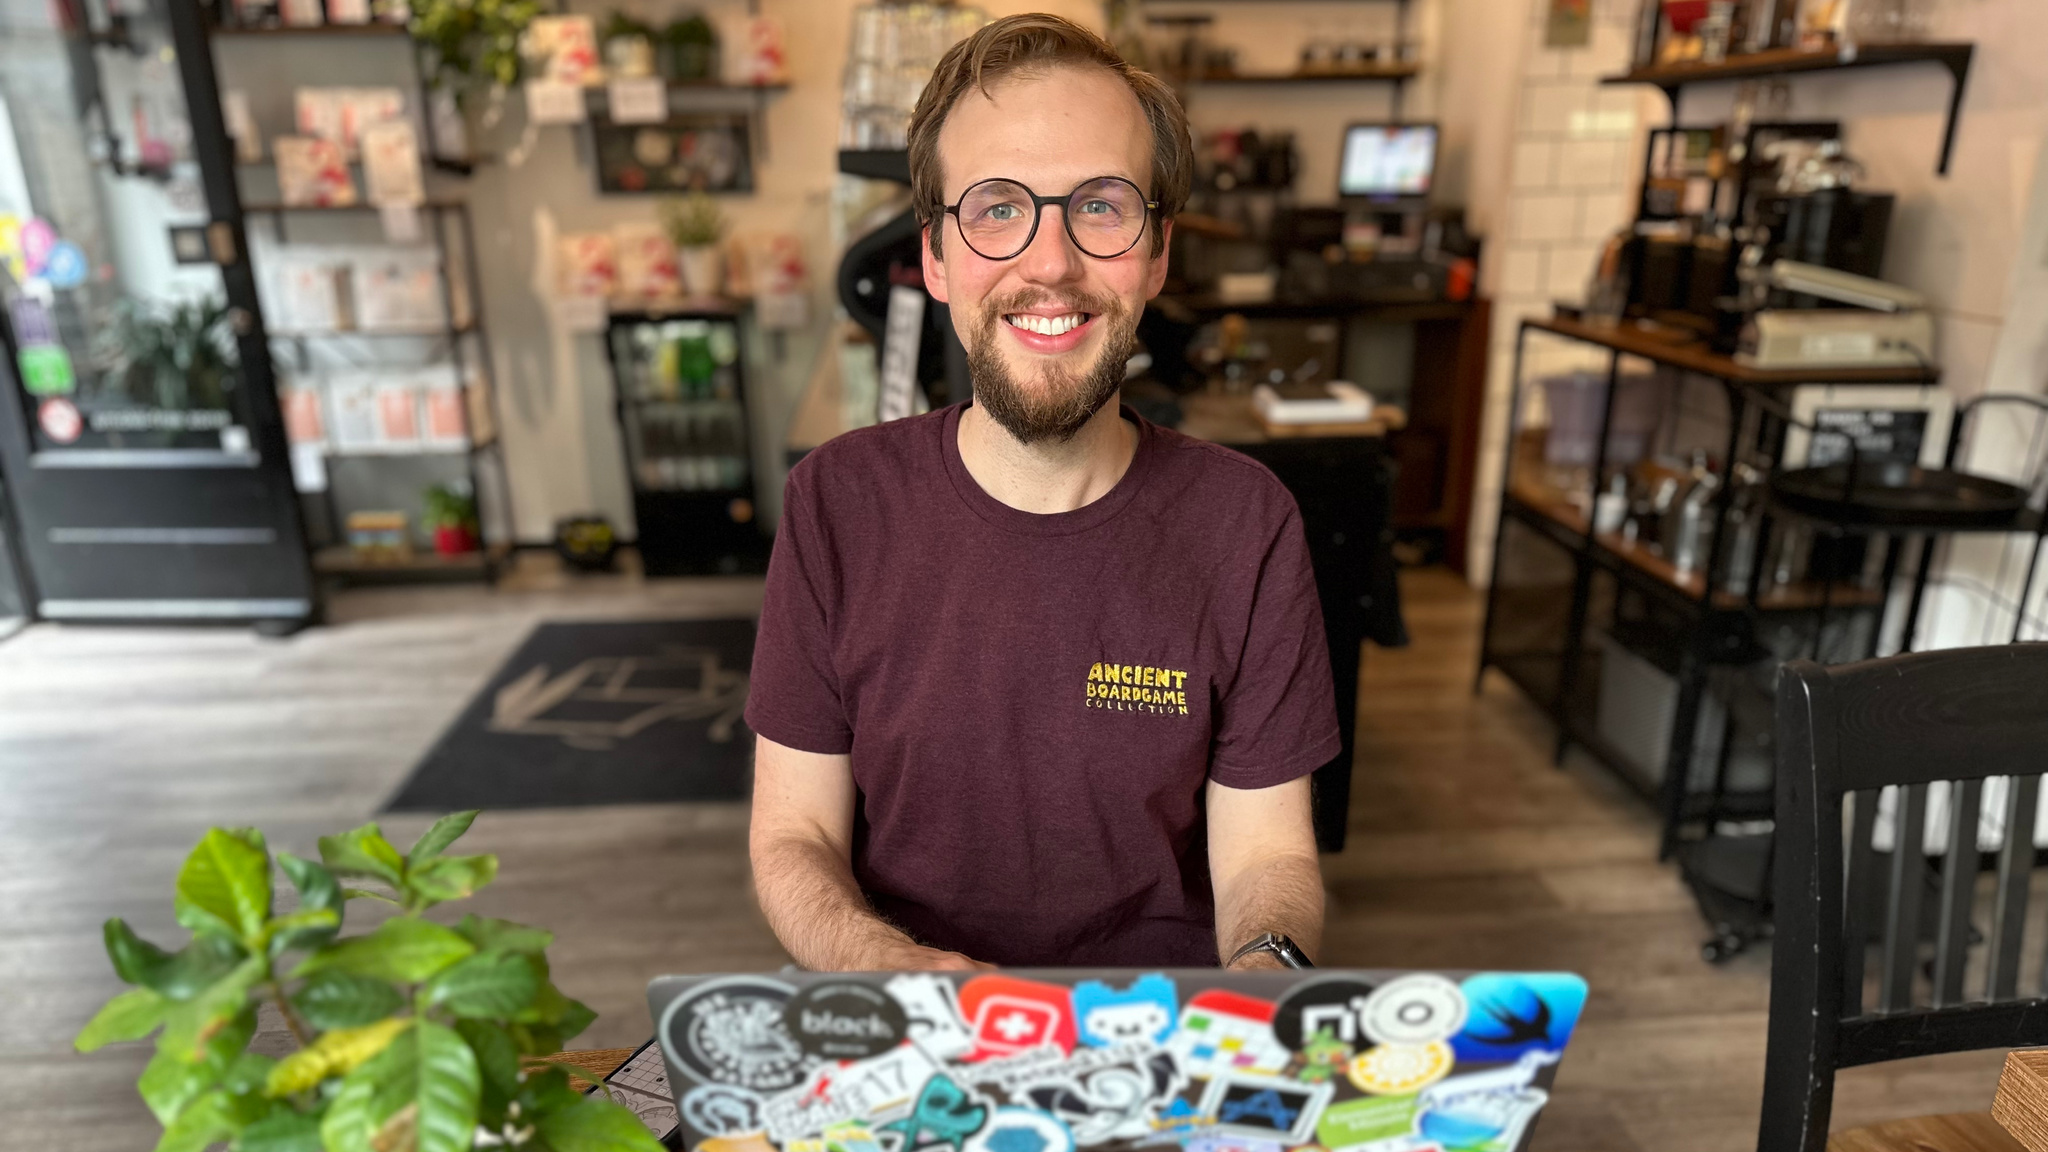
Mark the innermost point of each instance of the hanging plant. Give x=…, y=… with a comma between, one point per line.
x=474, y=43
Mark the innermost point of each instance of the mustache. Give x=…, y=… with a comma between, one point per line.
x=1025, y=299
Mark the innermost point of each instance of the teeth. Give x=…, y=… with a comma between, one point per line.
x=1047, y=325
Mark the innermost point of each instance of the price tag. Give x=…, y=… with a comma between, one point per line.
x=553, y=102
x=640, y=100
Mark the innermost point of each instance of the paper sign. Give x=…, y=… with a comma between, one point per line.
x=553, y=102
x=640, y=100
x=401, y=222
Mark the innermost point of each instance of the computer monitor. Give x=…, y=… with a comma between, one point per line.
x=1387, y=161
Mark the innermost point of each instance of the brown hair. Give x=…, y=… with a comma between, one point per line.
x=1036, y=42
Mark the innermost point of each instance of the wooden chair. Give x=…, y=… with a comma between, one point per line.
x=1845, y=733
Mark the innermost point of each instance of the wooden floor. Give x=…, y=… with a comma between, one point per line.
x=119, y=746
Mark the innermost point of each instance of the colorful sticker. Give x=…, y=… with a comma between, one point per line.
x=60, y=419
x=46, y=370
x=731, y=1031
x=36, y=240
x=1484, y=1111
x=1366, y=1119
x=1265, y=1106
x=1225, y=1031
x=945, y=1114
x=1322, y=1058
x=933, y=1010
x=844, y=1020
x=1221, y=1143
x=1513, y=1014
x=66, y=267
x=32, y=321
x=1006, y=1014
x=1417, y=1009
x=1401, y=1069
x=870, y=1091
x=1335, y=1004
x=1143, y=1011
x=721, y=1110
x=1022, y=1130
x=1112, y=1103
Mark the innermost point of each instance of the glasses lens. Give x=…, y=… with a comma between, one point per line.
x=1106, y=216
x=996, y=217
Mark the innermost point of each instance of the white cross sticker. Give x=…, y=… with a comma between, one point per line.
x=1015, y=1026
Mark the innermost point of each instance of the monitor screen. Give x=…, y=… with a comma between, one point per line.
x=1387, y=160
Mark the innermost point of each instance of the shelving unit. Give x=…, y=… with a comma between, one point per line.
x=1394, y=73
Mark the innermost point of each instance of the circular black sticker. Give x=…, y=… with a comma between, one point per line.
x=845, y=1020
x=730, y=1031
x=1335, y=1005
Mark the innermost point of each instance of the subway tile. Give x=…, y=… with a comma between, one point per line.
x=1550, y=107
x=1522, y=271
x=1587, y=163
x=1543, y=216
x=1534, y=161
x=1568, y=269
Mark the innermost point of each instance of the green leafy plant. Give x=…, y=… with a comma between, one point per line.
x=473, y=42
x=448, y=508
x=690, y=47
x=172, y=356
x=693, y=221
x=411, y=1036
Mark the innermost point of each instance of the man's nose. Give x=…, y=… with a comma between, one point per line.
x=1051, y=257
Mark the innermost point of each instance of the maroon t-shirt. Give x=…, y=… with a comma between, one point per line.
x=1033, y=703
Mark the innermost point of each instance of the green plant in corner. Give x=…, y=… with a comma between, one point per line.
x=174, y=356
x=693, y=221
x=473, y=42
x=411, y=1036
x=448, y=508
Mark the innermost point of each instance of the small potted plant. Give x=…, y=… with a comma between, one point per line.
x=416, y=1035
x=628, y=45
x=689, y=49
x=451, y=514
x=696, y=225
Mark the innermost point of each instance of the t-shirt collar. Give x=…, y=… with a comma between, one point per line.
x=1001, y=515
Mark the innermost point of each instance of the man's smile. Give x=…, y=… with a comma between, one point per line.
x=1050, y=332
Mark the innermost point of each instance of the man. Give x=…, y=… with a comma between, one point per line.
x=1037, y=682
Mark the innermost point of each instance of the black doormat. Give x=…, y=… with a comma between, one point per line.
x=602, y=712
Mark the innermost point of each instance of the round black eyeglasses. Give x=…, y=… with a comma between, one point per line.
x=1104, y=217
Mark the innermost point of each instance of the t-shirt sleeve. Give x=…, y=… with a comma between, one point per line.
x=1278, y=718
x=793, y=698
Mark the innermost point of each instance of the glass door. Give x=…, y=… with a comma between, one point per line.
x=139, y=430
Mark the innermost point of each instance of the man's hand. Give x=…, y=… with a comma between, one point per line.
x=1263, y=866
x=800, y=841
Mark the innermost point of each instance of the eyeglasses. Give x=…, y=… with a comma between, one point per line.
x=1104, y=217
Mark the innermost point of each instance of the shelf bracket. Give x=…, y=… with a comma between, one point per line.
x=1958, y=65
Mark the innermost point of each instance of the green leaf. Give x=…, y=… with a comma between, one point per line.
x=574, y=1019
x=335, y=1053
x=318, y=923
x=363, y=852
x=318, y=891
x=337, y=999
x=367, y=894
x=178, y=975
x=448, y=1090
x=489, y=986
x=368, y=1096
x=207, y=1120
x=134, y=958
x=436, y=840
x=594, y=1124
x=282, y=1131
x=190, y=1026
x=403, y=950
x=503, y=935
x=130, y=1016
x=497, y=1063
x=228, y=878
x=168, y=1084
x=451, y=877
x=247, y=1073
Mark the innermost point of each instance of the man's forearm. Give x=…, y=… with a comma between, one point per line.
x=1281, y=894
x=808, y=893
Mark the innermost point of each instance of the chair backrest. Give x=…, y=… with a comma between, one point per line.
x=1940, y=723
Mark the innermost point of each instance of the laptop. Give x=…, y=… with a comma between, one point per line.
x=1062, y=1060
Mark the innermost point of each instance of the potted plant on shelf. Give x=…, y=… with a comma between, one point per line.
x=689, y=49
x=474, y=44
x=628, y=45
x=416, y=1036
x=696, y=225
x=451, y=514
x=175, y=356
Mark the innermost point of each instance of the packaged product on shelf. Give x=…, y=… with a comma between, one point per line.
x=398, y=413
x=343, y=114
x=352, y=401
x=586, y=264
x=348, y=11
x=768, y=267
x=647, y=262
x=300, y=401
x=760, y=59
x=302, y=13
x=234, y=108
x=304, y=289
x=398, y=290
x=565, y=48
x=441, y=408
x=312, y=172
x=391, y=164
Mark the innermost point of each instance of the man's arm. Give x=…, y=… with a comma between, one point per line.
x=1263, y=866
x=801, y=842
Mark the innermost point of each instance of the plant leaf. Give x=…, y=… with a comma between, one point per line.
x=489, y=986
x=318, y=891
x=368, y=1096
x=367, y=894
x=497, y=1063
x=202, y=1123
x=168, y=1084
x=451, y=877
x=228, y=878
x=574, y=1019
x=448, y=1090
x=503, y=935
x=363, y=852
x=337, y=999
x=282, y=1131
x=436, y=839
x=130, y=1016
x=594, y=1124
x=134, y=958
x=335, y=1053
x=178, y=975
x=191, y=1025
x=247, y=1072
x=403, y=950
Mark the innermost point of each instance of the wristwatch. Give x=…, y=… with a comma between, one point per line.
x=1280, y=946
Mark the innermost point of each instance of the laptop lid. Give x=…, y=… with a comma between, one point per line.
x=1059, y=1060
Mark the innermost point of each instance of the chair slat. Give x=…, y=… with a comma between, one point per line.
x=1860, y=875
x=2009, y=902
x=1902, y=910
x=1958, y=892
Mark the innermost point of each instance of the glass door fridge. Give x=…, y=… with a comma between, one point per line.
x=140, y=440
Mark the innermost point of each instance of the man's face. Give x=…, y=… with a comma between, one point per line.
x=1051, y=132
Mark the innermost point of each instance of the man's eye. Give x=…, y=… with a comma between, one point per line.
x=1002, y=212
x=1098, y=208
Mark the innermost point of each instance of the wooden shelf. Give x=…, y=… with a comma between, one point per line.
x=371, y=29
x=1683, y=350
x=342, y=560
x=1380, y=74
x=274, y=208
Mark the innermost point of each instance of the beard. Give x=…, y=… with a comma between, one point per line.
x=1068, y=396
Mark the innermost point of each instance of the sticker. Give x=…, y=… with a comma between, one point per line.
x=1513, y=1014
x=1333, y=1003
x=749, y=1142
x=1143, y=1011
x=1046, y=1062
x=1022, y=1130
x=1219, y=1143
x=1225, y=1031
x=32, y=322
x=36, y=240
x=845, y=1020
x=1369, y=1118
x=1006, y=1014
x=1414, y=1009
x=1486, y=1110
x=66, y=267
x=1116, y=1103
x=1180, y=1118
x=868, y=1091
x=945, y=1113
x=60, y=419
x=721, y=1110
x=46, y=371
x=850, y=1138
x=1400, y=1069
x=731, y=1031
x=1322, y=1057
x=1265, y=1106
x=934, y=1013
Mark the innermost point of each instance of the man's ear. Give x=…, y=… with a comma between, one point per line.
x=934, y=268
x=1155, y=275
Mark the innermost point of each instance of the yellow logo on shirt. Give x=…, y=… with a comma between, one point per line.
x=1138, y=688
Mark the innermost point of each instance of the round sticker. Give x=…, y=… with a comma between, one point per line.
x=36, y=240
x=721, y=1110
x=1414, y=1010
x=845, y=1020
x=66, y=267
x=1021, y=1130
x=730, y=1031
x=60, y=419
x=1335, y=1004
x=1401, y=1069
